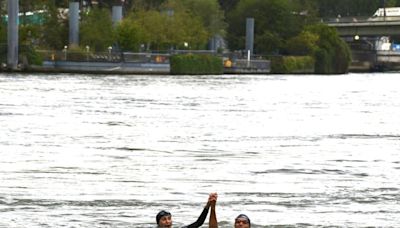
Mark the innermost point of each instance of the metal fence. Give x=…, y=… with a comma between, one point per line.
x=252, y=64
x=237, y=60
x=128, y=57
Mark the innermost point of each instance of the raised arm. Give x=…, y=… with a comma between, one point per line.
x=203, y=215
x=213, y=223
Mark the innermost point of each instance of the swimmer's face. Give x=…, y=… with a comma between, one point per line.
x=242, y=223
x=165, y=222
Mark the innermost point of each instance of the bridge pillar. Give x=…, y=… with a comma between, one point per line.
x=12, y=34
x=250, y=35
x=116, y=14
x=73, y=15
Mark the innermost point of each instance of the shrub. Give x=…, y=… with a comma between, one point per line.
x=333, y=54
x=195, y=64
x=29, y=53
x=292, y=64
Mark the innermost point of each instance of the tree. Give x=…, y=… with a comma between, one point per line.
x=54, y=29
x=273, y=19
x=171, y=28
x=332, y=54
x=146, y=4
x=209, y=12
x=129, y=35
x=154, y=26
x=97, y=29
x=184, y=25
x=228, y=5
x=303, y=44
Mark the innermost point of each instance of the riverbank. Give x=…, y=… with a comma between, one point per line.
x=102, y=67
x=254, y=67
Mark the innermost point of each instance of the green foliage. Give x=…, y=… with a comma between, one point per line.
x=3, y=32
x=28, y=52
x=3, y=53
x=196, y=64
x=292, y=64
x=268, y=42
x=54, y=29
x=97, y=29
x=147, y=4
x=303, y=44
x=28, y=34
x=333, y=54
x=228, y=5
x=129, y=35
x=274, y=20
x=208, y=11
x=162, y=30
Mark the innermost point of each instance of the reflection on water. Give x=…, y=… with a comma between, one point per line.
x=111, y=151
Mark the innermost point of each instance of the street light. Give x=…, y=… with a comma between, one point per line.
x=109, y=52
x=356, y=37
x=87, y=52
x=65, y=52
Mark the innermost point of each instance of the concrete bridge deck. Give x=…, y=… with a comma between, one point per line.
x=363, y=26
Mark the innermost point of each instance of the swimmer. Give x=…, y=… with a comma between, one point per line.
x=242, y=221
x=164, y=218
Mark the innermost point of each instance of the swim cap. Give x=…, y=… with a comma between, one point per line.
x=162, y=214
x=243, y=216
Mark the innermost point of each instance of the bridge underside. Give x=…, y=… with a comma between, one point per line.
x=382, y=28
x=364, y=37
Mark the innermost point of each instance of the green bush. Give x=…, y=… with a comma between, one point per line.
x=28, y=52
x=3, y=53
x=333, y=54
x=292, y=64
x=195, y=64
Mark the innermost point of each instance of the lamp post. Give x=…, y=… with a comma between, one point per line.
x=87, y=52
x=65, y=52
x=109, y=53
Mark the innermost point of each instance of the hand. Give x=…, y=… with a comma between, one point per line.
x=212, y=198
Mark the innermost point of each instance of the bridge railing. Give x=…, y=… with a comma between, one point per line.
x=345, y=20
x=358, y=19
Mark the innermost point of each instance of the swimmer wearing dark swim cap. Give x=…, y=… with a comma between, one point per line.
x=164, y=218
x=242, y=221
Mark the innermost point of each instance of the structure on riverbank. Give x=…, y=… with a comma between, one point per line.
x=136, y=63
x=12, y=35
x=365, y=35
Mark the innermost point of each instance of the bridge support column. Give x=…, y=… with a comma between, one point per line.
x=116, y=14
x=250, y=35
x=73, y=23
x=12, y=35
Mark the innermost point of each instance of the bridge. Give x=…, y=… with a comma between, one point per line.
x=363, y=34
x=363, y=26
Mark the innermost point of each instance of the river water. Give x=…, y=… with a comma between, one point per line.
x=111, y=150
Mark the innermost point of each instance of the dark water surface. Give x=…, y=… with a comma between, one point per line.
x=111, y=151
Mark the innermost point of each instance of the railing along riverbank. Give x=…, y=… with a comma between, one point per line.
x=136, y=63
